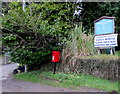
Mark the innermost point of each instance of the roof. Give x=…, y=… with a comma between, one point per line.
x=104, y=17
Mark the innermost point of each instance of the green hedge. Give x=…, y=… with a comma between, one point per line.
x=107, y=69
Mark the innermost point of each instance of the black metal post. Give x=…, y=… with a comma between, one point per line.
x=54, y=67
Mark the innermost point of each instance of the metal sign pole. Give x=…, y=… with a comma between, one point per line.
x=111, y=51
x=98, y=51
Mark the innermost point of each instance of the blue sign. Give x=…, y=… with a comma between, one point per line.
x=104, y=26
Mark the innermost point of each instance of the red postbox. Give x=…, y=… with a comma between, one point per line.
x=55, y=56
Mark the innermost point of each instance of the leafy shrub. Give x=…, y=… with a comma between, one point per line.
x=32, y=34
x=32, y=58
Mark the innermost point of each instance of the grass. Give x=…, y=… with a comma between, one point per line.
x=118, y=53
x=103, y=56
x=1, y=55
x=68, y=80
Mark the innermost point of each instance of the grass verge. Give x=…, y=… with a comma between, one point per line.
x=68, y=80
x=118, y=53
x=103, y=56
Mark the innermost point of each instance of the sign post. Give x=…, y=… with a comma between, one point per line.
x=105, y=36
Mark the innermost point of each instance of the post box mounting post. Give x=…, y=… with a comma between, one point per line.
x=54, y=67
x=55, y=59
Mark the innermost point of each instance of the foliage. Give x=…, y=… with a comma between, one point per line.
x=32, y=34
x=68, y=80
x=79, y=44
x=33, y=59
x=118, y=53
x=43, y=26
x=95, y=10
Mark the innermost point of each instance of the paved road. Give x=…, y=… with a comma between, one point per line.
x=5, y=70
x=9, y=84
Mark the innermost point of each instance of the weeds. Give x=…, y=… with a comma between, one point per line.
x=78, y=44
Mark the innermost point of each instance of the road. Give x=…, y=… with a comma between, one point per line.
x=5, y=71
x=9, y=84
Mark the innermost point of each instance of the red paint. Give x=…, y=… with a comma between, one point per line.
x=55, y=56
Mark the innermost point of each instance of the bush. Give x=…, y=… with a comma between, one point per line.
x=32, y=34
x=107, y=69
x=33, y=58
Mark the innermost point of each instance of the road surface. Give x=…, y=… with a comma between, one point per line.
x=5, y=70
x=9, y=84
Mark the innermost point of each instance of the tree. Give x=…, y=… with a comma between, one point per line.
x=33, y=33
x=95, y=10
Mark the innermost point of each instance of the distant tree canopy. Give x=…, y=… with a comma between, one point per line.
x=95, y=10
x=31, y=34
